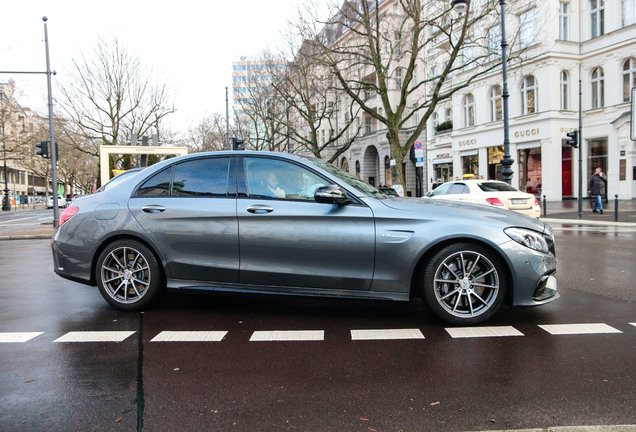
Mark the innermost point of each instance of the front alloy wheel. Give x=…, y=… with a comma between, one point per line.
x=464, y=284
x=128, y=275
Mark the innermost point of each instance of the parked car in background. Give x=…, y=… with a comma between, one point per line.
x=490, y=193
x=274, y=223
x=61, y=202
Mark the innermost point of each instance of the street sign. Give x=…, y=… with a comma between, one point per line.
x=418, y=145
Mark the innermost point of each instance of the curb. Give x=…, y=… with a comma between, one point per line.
x=587, y=222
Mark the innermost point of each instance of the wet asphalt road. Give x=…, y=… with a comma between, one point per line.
x=438, y=383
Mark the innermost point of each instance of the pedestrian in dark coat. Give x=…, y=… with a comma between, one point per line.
x=596, y=187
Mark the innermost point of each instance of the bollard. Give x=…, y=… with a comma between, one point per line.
x=616, y=208
x=545, y=210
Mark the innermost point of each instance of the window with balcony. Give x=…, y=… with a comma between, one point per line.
x=598, y=88
x=529, y=93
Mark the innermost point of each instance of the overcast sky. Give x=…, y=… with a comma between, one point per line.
x=191, y=43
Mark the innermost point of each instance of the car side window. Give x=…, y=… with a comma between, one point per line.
x=442, y=190
x=194, y=178
x=272, y=178
x=458, y=189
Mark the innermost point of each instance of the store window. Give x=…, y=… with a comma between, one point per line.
x=530, y=170
x=443, y=173
x=470, y=165
x=597, y=156
x=495, y=155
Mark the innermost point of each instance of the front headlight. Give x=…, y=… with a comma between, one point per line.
x=531, y=239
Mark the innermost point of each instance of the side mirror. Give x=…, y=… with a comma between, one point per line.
x=428, y=194
x=331, y=194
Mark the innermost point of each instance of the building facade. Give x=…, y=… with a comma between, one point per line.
x=17, y=124
x=586, y=42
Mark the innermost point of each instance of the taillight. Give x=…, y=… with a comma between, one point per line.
x=536, y=202
x=495, y=201
x=68, y=213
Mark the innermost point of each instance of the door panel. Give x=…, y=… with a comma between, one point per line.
x=190, y=214
x=287, y=239
x=306, y=244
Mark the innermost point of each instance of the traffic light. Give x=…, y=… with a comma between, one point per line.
x=44, y=149
x=574, y=138
x=237, y=144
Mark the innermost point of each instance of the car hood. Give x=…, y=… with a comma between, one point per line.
x=448, y=209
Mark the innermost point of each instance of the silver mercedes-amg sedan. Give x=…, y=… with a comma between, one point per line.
x=274, y=223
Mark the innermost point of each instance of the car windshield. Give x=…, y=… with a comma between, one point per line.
x=496, y=187
x=355, y=182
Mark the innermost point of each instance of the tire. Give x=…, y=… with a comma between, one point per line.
x=128, y=275
x=464, y=283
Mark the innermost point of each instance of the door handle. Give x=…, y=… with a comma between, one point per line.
x=153, y=208
x=260, y=209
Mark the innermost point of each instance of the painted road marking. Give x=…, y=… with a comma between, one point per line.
x=95, y=336
x=572, y=329
x=18, y=337
x=473, y=332
x=386, y=334
x=189, y=336
x=287, y=335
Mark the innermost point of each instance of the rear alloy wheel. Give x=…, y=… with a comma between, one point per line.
x=464, y=283
x=128, y=275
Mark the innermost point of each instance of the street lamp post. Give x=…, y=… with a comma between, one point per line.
x=460, y=6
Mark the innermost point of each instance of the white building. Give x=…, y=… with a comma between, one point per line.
x=593, y=41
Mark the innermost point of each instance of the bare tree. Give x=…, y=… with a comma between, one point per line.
x=111, y=96
x=313, y=105
x=208, y=135
x=398, y=59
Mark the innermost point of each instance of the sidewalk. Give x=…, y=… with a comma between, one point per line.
x=568, y=212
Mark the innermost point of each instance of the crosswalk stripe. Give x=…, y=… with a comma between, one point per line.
x=19, y=337
x=386, y=334
x=473, y=332
x=287, y=335
x=189, y=336
x=572, y=329
x=95, y=336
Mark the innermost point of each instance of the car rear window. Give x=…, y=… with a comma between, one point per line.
x=496, y=187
